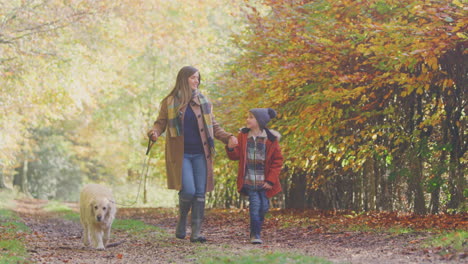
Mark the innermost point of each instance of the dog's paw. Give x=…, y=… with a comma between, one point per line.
x=100, y=247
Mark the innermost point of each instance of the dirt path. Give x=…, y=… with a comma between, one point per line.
x=56, y=240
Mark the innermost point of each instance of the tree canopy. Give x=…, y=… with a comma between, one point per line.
x=94, y=74
x=371, y=94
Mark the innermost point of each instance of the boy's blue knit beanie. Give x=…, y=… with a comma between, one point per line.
x=263, y=115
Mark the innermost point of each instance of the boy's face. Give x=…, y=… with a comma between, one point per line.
x=252, y=122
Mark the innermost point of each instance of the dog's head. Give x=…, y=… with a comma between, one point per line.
x=102, y=209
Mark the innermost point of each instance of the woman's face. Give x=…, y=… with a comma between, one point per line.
x=194, y=80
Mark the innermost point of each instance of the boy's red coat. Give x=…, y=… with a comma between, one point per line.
x=273, y=161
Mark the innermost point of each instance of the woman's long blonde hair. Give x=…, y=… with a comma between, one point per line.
x=182, y=92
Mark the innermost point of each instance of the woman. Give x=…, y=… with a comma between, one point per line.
x=191, y=127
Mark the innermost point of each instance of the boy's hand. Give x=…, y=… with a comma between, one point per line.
x=232, y=142
x=267, y=186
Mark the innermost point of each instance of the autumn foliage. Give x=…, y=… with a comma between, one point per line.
x=371, y=95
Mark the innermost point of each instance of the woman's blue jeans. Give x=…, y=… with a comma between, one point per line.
x=194, y=175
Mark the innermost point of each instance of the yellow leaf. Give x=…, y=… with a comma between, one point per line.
x=448, y=83
x=457, y=3
x=432, y=62
x=462, y=35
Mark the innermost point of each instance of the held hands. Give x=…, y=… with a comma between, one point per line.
x=267, y=186
x=232, y=142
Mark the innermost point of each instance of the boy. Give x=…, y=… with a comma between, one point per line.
x=260, y=163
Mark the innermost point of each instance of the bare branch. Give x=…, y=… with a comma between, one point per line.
x=14, y=13
x=39, y=29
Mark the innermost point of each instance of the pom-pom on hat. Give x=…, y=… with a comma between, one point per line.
x=263, y=115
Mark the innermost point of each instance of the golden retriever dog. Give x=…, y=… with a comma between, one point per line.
x=97, y=212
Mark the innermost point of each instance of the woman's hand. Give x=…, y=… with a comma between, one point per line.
x=267, y=186
x=232, y=142
x=153, y=135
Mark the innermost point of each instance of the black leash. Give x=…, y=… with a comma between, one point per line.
x=150, y=144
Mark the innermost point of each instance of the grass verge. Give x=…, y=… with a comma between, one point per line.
x=395, y=230
x=6, y=198
x=452, y=242
x=159, y=196
x=139, y=228
x=12, y=236
x=63, y=210
x=256, y=256
x=134, y=227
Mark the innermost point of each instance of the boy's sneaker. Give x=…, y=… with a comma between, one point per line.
x=255, y=241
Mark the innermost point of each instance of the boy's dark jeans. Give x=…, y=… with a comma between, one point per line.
x=258, y=207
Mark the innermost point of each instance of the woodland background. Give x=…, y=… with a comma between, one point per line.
x=371, y=96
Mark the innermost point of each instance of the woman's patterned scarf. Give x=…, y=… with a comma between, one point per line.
x=175, y=121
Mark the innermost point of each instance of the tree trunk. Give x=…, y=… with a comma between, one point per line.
x=435, y=200
x=435, y=193
x=2, y=179
x=21, y=179
x=386, y=202
x=369, y=183
x=379, y=184
x=320, y=199
x=357, y=193
x=419, y=201
x=297, y=191
x=415, y=182
x=457, y=185
x=455, y=99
